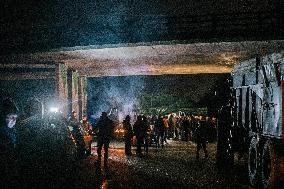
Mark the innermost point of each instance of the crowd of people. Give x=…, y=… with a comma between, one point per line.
x=158, y=130
x=32, y=144
x=142, y=132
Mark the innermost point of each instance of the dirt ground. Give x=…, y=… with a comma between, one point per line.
x=175, y=166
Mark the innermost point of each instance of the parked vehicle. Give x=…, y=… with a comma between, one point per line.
x=257, y=114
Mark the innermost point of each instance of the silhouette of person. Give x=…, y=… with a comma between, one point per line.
x=105, y=131
x=8, y=142
x=128, y=135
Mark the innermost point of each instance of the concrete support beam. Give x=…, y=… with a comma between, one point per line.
x=24, y=70
x=80, y=91
x=57, y=79
x=84, y=94
x=69, y=92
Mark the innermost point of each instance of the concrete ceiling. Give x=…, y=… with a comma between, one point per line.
x=158, y=58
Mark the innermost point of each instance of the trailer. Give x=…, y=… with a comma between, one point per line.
x=255, y=126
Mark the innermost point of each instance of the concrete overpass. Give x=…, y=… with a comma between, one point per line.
x=69, y=67
x=155, y=58
x=67, y=41
x=169, y=57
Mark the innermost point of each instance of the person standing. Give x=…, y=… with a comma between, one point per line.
x=105, y=131
x=166, y=125
x=145, y=129
x=138, y=132
x=161, y=131
x=77, y=133
x=175, y=127
x=8, y=143
x=201, y=137
x=186, y=127
x=128, y=135
x=87, y=135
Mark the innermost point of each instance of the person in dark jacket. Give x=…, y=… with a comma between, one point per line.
x=161, y=131
x=8, y=142
x=87, y=127
x=201, y=137
x=77, y=134
x=145, y=129
x=186, y=128
x=138, y=132
x=105, y=131
x=128, y=135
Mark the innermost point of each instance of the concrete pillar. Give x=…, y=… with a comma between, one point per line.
x=89, y=98
x=61, y=87
x=57, y=79
x=84, y=94
x=81, y=96
x=69, y=92
x=80, y=91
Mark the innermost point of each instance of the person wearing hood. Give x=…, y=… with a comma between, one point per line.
x=8, y=140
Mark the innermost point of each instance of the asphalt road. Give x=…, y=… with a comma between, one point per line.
x=175, y=166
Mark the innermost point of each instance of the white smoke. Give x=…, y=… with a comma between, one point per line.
x=118, y=95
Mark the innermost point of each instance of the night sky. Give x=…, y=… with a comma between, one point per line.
x=43, y=25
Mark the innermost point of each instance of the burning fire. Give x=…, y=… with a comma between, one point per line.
x=119, y=131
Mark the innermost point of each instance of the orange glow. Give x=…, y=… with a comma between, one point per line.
x=188, y=69
x=156, y=59
x=114, y=153
x=119, y=131
x=104, y=184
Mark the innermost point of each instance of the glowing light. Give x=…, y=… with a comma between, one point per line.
x=188, y=69
x=54, y=109
x=119, y=130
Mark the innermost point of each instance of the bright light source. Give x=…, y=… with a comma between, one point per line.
x=54, y=109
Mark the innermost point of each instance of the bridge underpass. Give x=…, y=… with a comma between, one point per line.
x=69, y=68
x=154, y=37
x=145, y=38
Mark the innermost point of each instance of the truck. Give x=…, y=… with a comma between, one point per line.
x=251, y=124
